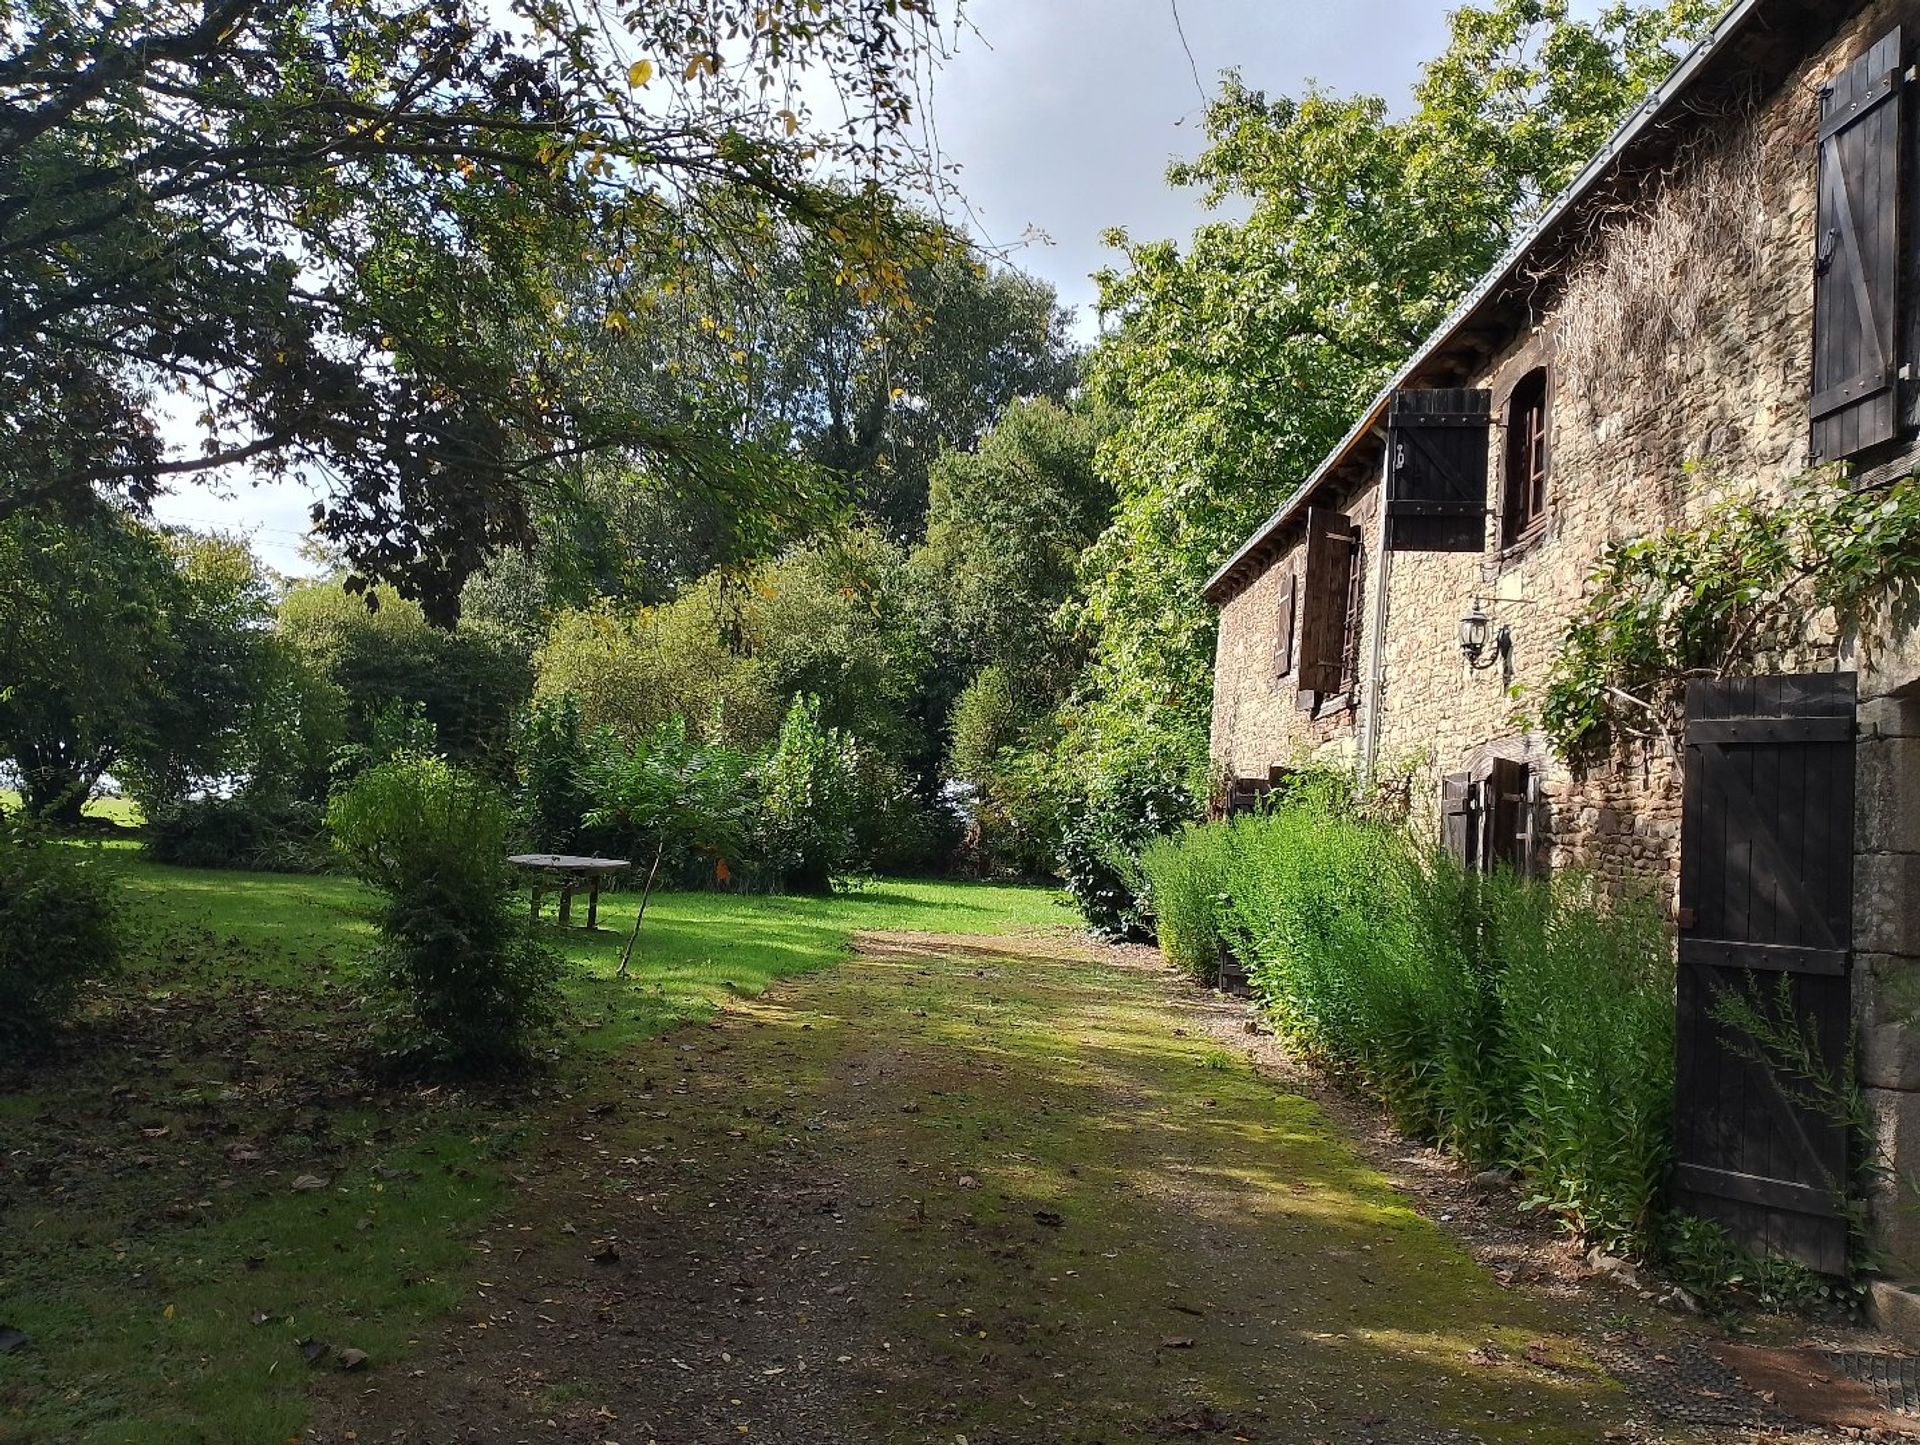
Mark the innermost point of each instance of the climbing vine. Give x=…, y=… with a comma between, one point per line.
x=1745, y=585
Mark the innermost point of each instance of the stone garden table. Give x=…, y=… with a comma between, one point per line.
x=570, y=874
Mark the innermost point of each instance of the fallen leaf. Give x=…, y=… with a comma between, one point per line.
x=308, y=1183
x=607, y=1253
x=314, y=1350
x=1176, y=1342
x=352, y=1360
x=1048, y=1217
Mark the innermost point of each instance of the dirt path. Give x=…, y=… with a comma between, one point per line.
x=988, y=1191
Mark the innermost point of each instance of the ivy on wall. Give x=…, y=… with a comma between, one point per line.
x=1742, y=588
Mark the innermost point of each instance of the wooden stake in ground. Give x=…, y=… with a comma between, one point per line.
x=626, y=954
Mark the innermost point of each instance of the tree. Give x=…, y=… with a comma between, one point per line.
x=122, y=646
x=676, y=792
x=1234, y=365
x=377, y=241
x=1007, y=523
x=731, y=652
x=468, y=683
x=871, y=383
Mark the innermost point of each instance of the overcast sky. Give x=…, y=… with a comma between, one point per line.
x=1062, y=115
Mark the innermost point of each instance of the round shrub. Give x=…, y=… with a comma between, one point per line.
x=59, y=927
x=463, y=980
x=238, y=832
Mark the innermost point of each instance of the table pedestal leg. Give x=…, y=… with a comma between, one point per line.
x=566, y=904
x=593, y=902
x=534, y=911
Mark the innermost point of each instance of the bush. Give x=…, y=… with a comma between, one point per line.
x=1100, y=846
x=810, y=802
x=551, y=757
x=999, y=740
x=244, y=831
x=1186, y=879
x=462, y=978
x=59, y=927
x=1517, y=1022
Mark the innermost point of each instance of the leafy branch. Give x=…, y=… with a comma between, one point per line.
x=1752, y=581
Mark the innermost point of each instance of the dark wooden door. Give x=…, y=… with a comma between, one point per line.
x=1766, y=906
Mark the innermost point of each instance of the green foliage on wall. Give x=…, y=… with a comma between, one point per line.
x=1746, y=586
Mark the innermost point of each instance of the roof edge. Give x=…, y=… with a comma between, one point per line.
x=1644, y=116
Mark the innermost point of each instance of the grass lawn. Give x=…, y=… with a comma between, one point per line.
x=123, y=811
x=213, y=1176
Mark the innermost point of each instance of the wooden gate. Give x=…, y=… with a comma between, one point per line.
x=1766, y=903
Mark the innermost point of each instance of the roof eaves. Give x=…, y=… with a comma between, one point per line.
x=1643, y=117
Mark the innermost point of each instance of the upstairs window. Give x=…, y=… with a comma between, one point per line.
x=1524, y=507
x=1329, y=609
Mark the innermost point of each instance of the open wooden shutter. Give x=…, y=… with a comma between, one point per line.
x=1437, y=445
x=1507, y=797
x=1283, y=624
x=1331, y=543
x=1857, y=264
x=1456, y=817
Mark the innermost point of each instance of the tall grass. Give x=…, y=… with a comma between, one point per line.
x=1518, y=1023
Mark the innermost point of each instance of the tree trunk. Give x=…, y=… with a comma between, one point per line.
x=55, y=798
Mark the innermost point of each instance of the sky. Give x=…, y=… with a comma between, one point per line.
x=1062, y=116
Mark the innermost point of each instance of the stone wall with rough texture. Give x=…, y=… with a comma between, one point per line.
x=1723, y=408
x=1257, y=720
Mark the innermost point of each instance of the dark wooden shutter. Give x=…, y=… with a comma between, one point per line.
x=1857, y=263
x=1507, y=805
x=1332, y=541
x=1437, y=480
x=1766, y=897
x=1283, y=624
x=1456, y=817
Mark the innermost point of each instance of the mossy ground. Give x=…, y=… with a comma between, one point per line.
x=979, y=1189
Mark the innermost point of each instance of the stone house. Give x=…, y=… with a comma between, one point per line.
x=1728, y=295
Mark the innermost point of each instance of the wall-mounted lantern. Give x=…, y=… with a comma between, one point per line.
x=1474, y=631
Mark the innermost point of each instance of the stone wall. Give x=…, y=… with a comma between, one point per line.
x=1257, y=720
x=1723, y=406
x=1653, y=441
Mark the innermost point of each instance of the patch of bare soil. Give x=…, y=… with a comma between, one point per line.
x=993, y=1192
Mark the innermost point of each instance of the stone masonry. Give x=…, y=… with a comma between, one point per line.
x=1723, y=409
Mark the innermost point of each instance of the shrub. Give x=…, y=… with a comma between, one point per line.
x=1186, y=883
x=1587, y=998
x=1518, y=1022
x=552, y=756
x=810, y=801
x=59, y=927
x=997, y=752
x=244, y=831
x=461, y=976
x=1100, y=846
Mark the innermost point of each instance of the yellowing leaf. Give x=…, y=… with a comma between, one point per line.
x=639, y=73
x=790, y=120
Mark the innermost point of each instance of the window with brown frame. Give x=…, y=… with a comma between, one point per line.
x=1524, y=507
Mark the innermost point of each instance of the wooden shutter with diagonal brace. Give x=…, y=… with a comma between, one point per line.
x=1857, y=263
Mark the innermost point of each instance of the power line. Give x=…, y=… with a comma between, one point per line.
x=1181, y=31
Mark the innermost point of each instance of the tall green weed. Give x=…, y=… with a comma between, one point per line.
x=1519, y=1023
